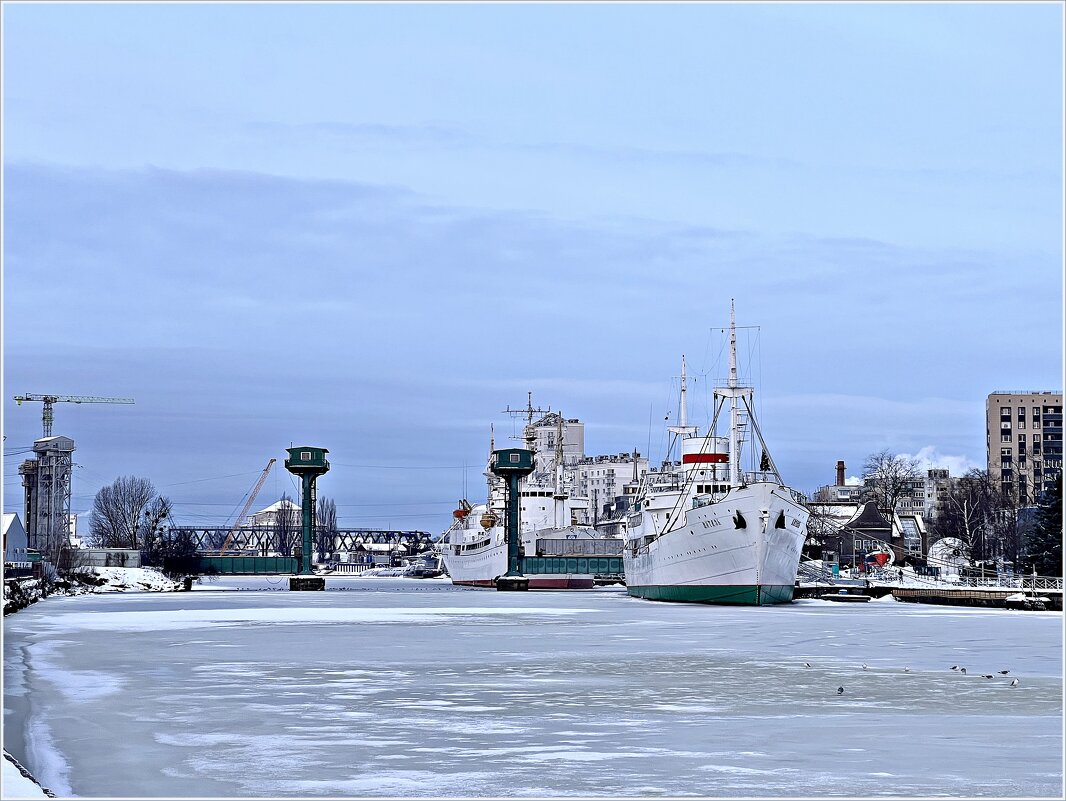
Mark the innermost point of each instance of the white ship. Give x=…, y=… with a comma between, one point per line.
x=707, y=531
x=559, y=549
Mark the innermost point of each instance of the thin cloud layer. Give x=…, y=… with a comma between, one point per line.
x=248, y=311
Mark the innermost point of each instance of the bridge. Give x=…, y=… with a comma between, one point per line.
x=268, y=550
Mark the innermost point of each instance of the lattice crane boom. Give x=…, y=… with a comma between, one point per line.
x=48, y=400
x=248, y=505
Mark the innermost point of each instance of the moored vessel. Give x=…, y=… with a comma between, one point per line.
x=558, y=548
x=707, y=530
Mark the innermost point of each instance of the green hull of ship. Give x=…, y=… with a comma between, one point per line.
x=749, y=595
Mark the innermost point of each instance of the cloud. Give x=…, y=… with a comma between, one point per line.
x=244, y=311
x=929, y=458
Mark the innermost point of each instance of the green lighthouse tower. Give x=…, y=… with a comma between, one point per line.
x=308, y=463
x=512, y=464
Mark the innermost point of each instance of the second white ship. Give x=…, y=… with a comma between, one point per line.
x=559, y=548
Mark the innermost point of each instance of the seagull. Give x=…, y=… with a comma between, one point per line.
x=840, y=690
x=1002, y=672
x=1014, y=683
x=906, y=670
x=954, y=667
x=864, y=667
x=962, y=671
x=986, y=675
x=806, y=664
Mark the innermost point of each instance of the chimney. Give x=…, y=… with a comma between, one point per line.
x=840, y=472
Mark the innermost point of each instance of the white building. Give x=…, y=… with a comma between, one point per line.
x=15, y=541
x=553, y=427
x=269, y=515
x=603, y=479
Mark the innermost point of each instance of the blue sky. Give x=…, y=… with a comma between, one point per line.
x=373, y=227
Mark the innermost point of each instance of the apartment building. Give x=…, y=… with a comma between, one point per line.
x=606, y=479
x=1024, y=437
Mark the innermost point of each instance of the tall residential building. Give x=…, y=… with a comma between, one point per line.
x=1024, y=436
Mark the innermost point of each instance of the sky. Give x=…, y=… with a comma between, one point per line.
x=374, y=227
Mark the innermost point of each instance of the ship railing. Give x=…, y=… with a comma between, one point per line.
x=806, y=572
x=611, y=546
x=665, y=482
x=1015, y=581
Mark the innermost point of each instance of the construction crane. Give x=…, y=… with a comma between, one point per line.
x=248, y=505
x=48, y=400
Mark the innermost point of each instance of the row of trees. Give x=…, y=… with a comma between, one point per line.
x=993, y=524
x=130, y=514
x=288, y=527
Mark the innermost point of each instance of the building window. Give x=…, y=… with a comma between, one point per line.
x=1005, y=437
x=1021, y=425
x=1004, y=411
x=305, y=456
x=1005, y=451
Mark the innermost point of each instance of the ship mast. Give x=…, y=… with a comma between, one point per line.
x=733, y=391
x=683, y=429
x=734, y=439
x=559, y=497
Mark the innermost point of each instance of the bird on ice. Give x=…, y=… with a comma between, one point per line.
x=1002, y=672
x=840, y=690
x=864, y=666
x=986, y=675
x=1014, y=683
x=962, y=671
x=806, y=664
x=954, y=667
x=906, y=670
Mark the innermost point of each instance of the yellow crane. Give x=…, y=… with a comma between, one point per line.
x=248, y=505
x=48, y=400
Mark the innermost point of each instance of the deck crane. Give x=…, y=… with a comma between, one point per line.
x=48, y=400
x=248, y=505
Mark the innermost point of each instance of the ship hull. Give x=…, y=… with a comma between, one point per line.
x=541, y=582
x=742, y=550
x=476, y=565
x=757, y=595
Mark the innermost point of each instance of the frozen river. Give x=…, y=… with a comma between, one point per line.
x=399, y=687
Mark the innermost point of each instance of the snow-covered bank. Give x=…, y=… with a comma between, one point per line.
x=20, y=593
x=18, y=783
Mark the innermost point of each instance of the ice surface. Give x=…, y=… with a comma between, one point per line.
x=400, y=688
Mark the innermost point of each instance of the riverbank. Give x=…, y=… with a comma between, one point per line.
x=22, y=592
x=18, y=782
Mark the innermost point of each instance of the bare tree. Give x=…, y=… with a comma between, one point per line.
x=286, y=525
x=823, y=534
x=118, y=510
x=977, y=512
x=326, y=530
x=889, y=478
x=151, y=534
